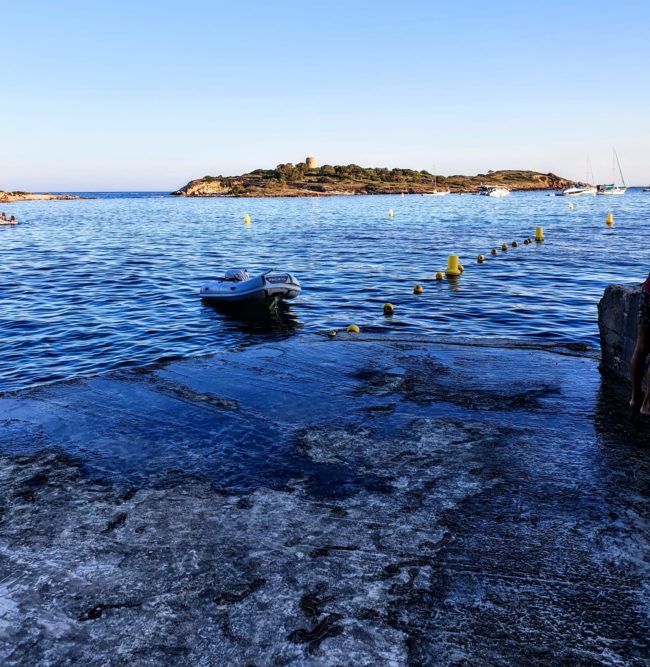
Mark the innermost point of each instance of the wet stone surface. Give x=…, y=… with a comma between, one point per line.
x=316, y=502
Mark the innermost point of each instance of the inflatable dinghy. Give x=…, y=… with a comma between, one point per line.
x=237, y=287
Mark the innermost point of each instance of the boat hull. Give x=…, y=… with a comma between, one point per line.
x=266, y=289
x=612, y=191
x=579, y=192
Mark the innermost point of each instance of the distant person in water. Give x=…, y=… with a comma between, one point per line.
x=641, y=351
x=12, y=219
x=3, y=216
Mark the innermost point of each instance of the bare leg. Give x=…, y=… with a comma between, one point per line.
x=637, y=368
x=645, y=408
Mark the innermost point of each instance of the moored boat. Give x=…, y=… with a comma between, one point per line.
x=238, y=288
x=579, y=191
x=612, y=188
x=493, y=191
x=436, y=192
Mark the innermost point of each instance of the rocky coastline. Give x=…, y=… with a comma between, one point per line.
x=288, y=180
x=10, y=197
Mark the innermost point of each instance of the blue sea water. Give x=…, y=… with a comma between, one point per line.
x=93, y=285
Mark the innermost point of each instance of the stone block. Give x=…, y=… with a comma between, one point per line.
x=618, y=319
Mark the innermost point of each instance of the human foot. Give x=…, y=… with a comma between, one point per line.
x=636, y=403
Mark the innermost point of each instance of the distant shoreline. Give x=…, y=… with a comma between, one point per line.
x=11, y=197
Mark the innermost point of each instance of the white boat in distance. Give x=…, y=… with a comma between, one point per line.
x=580, y=190
x=436, y=192
x=493, y=191
x=612, y=188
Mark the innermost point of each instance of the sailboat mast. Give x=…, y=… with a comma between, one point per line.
x=620, y=171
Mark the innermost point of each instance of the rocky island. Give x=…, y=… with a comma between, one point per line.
x=7, y=197
x=306, y=179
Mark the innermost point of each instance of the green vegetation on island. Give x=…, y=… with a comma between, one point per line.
x=289, y=180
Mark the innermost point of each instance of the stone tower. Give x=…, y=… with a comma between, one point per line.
x=311, y=163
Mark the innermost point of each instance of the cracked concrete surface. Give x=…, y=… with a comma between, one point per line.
x=312, y=502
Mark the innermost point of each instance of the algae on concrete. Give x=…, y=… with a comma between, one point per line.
x=353, y=501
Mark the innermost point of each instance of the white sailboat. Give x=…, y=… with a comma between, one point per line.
x=436, y=192
x=612, y=188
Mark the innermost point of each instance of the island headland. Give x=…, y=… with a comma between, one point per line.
x=8, y=197
x=307, y=179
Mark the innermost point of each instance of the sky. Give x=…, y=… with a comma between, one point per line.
x=144, y=95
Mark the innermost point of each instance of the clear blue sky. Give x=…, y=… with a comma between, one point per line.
x=147, y=95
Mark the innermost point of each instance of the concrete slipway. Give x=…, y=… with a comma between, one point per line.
x=356, y=501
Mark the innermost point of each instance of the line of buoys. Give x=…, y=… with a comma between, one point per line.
x=247, y=219
x=453, y=270
x=609, y=221
x=391, y=213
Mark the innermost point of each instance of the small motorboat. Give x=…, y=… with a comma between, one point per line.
x=580, y=191
x=493, y=191
x=238, y=288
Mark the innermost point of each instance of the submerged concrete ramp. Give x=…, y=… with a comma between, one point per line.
x=354, y=501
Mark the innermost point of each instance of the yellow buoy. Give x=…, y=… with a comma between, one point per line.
x=609, y=220
x=514, y=244
x=452, y=266
x=439, y=275
x=418, y=289
x=493, y=251
x=353, y=328
x=504, y=247
x=539, y=234
x=480, y=259
x=247, y=219
x=391, y=213
x=388, y=309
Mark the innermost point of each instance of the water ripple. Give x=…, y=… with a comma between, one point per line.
x=87, y=286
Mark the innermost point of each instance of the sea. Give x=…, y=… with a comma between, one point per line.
x=112, y=281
